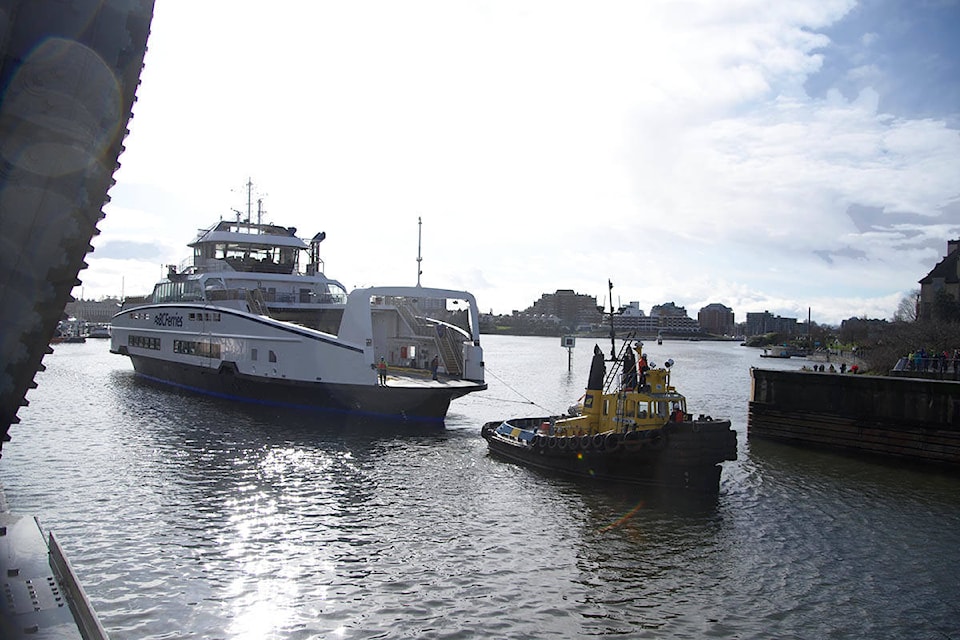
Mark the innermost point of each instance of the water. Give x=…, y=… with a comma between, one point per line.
x=186, y=517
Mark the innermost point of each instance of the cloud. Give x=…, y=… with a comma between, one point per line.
x=764, y=155
x=126, y=250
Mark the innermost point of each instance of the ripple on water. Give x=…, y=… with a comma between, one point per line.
x=189, y=517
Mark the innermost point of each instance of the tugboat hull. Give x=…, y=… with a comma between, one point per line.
x=683, y=454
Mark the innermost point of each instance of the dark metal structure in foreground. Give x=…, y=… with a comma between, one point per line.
x=68, y=78
x=899, y=418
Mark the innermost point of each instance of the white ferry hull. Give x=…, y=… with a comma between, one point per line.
x=415, y=404
x=246, y=357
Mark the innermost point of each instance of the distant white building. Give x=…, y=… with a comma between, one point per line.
x=666, y=318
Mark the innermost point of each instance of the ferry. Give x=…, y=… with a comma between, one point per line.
x=631, y=426
x=244, y=322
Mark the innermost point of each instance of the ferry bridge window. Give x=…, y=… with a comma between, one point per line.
x=273, y=356
x=177, y=291
x=253, y=354
x=192, y=290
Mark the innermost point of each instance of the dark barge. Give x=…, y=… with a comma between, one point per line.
x=901, y=418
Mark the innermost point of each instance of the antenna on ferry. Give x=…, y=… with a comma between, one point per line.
x=249, y=198
x=419, y=236
x=259, y=210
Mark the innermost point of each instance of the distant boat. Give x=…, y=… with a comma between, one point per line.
x=99, y=331
x=68, y=331
x=776, y=352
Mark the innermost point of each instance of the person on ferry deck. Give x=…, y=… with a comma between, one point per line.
x=382, y=372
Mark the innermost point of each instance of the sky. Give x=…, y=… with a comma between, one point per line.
x=781, y=157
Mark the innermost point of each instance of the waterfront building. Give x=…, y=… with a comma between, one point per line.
x=668, y=309
x=666, y=318
x=573, y=309
x=674, y=320
x=761, y=323
x=717, y=319
x=632, y=319
x=943, y=280
x=94, y=311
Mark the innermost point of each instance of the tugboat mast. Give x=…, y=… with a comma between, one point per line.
x=419, y=236
x=613, y=333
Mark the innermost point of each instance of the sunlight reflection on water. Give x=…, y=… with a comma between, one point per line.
x=188, y=516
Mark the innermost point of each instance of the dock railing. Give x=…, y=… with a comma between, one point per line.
x=936, y=368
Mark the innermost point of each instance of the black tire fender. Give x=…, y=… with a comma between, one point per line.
x=611, y=442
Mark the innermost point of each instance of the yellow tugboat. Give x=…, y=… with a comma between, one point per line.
x=631, y=426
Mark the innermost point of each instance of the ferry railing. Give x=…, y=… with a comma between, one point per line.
x=256, y=303
x=252, y=297
x=448, y=338
x=409, y=313
x=451, y=349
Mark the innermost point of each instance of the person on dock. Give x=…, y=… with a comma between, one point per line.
x=434, y=365
x=382, y=372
